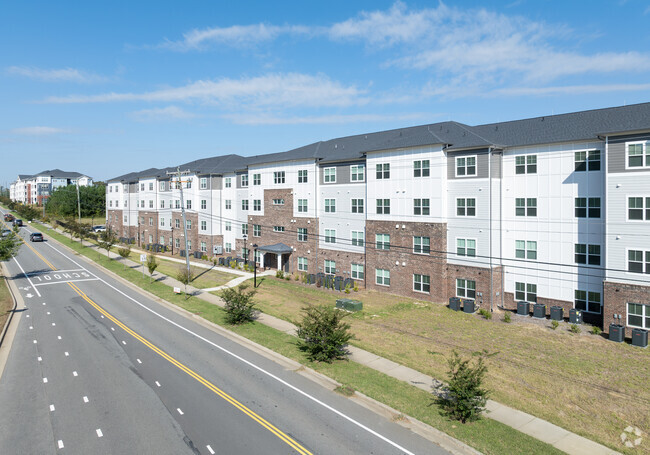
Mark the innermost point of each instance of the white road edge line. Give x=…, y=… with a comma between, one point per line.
x=247, y=362
x=28, y=279
x=210, y=449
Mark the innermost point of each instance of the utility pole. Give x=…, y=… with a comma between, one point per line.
x=78, y=202
x=179, y=184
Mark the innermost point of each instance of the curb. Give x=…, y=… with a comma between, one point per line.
x=12, y=311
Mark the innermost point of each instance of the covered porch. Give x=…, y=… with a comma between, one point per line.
x=275, y=256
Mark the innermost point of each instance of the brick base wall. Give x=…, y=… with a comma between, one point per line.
x=511, y=304
x=481, y=275
x=344, y=261
x=615, y=300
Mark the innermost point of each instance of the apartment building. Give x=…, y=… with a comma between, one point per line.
x=36, y=189
x=554, y=210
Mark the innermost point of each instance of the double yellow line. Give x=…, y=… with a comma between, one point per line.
x=257, y=418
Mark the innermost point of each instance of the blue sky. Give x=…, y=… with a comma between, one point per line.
x=105, y=88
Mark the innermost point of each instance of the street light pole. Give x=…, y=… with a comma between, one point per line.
x=254, y=265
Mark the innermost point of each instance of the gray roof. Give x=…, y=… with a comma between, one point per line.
x=55, y=173
x=277, y=248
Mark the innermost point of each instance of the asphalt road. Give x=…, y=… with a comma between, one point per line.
x=97, y=368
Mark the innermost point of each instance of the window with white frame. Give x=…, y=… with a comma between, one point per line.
x=189, y=224
x=162, y=203
x=278, y=177
x=142, y=187
x=526, y=291
x=150, y=221
x=638, y=155
x=204, y=204
x=466, y=247
x=228, y=226
x=383, y=171
x=177, y=203
x=244, y=229
x=177, y=223
x=638, y=261
x=357, y=173
x=278, y=201
x=161, y=186
x=421, y=283
x=382, y=277
x=383, y=206
x=177, y=241
x=244, y=180
x=228, y=182
x=330, y=205
x=228, y=247
x=421, y=245
x=526, y=164
x=203, y=183
x=257, y=179
x=257, y=205
x=125, y=204
x=357, y=238
x=525, y=249
x=382, y=241
x=151, y=204
x=638, y=208
x=587, y=254
x=302, y=264
x=465, y=288
x=228, y=204
x=421, y=168
x=465, y=207
x=302, y=234
x=588, y=160
x=465, y=166
x=357, y=205
x=330, y=267
x=420, y=207
x=638, y=315
x=150, y=186
x=588, y=301
x=162, y=239
x=244, y=204
x=257, y=230
x=357, y=271
x=302, y=205
x=204, y=225
x=189, y=183
x=162, y=222
x=587, y=207
x=330, y=235
x=329, y=175
x=302, y=176
x=278, y=228
x=526, y=206
x=204, y=247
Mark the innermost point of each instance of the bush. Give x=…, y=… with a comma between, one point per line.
x=356, y=287
x=152, y=265
x=554, y=324
x=485, y=313
x=595, y=330
x=464, y=399
x=124, y=253
x=185, y=276
x=507, y=317
x=347, y=288
x=204, y=257
x=239, y=306
x=322, y=334
x=279, y=274
x=574, y=328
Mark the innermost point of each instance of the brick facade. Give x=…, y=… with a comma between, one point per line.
x=115, y=222
x=616, y=297
x=344, y=261
x=481, y=276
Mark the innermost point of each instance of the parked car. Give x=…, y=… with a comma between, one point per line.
x=6, y=232
x=36, y=237
x=18, y=222
x=9, y=217
x=99, y=228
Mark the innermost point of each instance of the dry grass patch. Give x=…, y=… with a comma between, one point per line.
x=6, y=303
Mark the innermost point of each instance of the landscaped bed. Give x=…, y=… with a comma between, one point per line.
x=6, y=302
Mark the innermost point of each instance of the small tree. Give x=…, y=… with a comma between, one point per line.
x=106, y=241
x=185, y=276
x=239, y=306
x=464, y=399
x=9, y=246
x=124, y=253
x=152, y=265
x=323, y=334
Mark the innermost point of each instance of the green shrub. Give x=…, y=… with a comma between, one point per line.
x=507, y=317
x=347, y=288
x=152, y=265
x=573, y=328
x=239, y=304
x=204, y=257
x=554, y=324
x=279, y=274
x=322, y=334
x=124, y=253
x=485, y=313
x=356, y=287
x=464, y=399
x=595, y=330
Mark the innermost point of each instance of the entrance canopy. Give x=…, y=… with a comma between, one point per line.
x=278, y=248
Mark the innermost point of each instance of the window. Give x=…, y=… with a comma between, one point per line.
x=162, y=223
x=110, y=203
x=421, y=283
x=161, y=186
x=638, y=315
x=588, y=301
x=581, y=207
x=188, y=204
x=383, y=171
x=302, y=176
x=204, y=248
x=244, y=229
x=525, y=249
x=383, y=206
x=587, y=207
x=257, y=179
x=357, y=272
x=278, y=228
x=189, y=183
x=330, y=205
x=302, y=205
x=466, y=207
x=330, y=267
x=177, y=242
x=302, y=264
x=162, y=239
x=466, y=247
x=357, y=173
x=150, y=221
x=150, y=189
x=526, y=164
x=465, y=288
x=587, y=160
x=330, y=175
x=177, y=203
x=636, y=153
x=526, y=206
x=189, y=224
x=636, y=210
x=278, y=201
x=257, y=205
x=421, y=245
x=177, y=223
x=228, y=226
x=302, y=234
x=228, y=247
x=465, y=166
x=228, y=182
x=278, y=177
x=257, y=230
x=204, y=225
x=526, y=291
x=203, y=184
x=150, y=204
x=330, y=235
x=420, y=206
x=357, y=238
x=204, y=204
x=142, y=187
x=382, y=241
x=244, y=204
x=162, y=203
x=382, y=277
x=594, y=207
x=636, y=263
x=244, y=180
x=228, y=204
x=421, y=168
x=357, y=205
x=587, y=254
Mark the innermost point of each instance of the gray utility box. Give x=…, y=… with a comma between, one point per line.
x=523, y=308
x=469, y=306
x=349, y=304
x=575, y=316
x=557, y=313
x=616, y=332
x=454, y=303
x=539, y=311
x=640, y=338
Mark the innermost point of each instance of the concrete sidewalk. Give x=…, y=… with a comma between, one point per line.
x=542, y=430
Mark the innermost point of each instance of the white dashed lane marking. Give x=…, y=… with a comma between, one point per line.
x=85, y=399
x=99, y=433
x=43, y=303
x=139, y=361
x=74, y=373
x=123, y=342
x=53, y=324
x=44, y=380
x=210, y=449
x=48, y=313
x=35, y=342
x=27, y=316
x=40, y=359
x=179, y=411
x=113, y=329
x=52, y=408
x=60, y=441
x=66, y=353
x=59, y=337
x=158, y=383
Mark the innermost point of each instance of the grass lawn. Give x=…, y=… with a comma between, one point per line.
x=6, y=302
x=581, y=382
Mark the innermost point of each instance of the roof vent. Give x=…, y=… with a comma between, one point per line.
x=336, y=146
x=366, y=137
x=400, y=134
x=496, y=128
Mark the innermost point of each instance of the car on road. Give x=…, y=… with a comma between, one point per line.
x=36, y=237
x=18, y=222
x=6, y=232
x=9, y=217
x=99, y=228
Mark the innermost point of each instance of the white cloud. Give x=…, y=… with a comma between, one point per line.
x=38, y=131
x=268, y=119
x=162, y=113
x=287, y=90
x=572, y=89
x=56, y=75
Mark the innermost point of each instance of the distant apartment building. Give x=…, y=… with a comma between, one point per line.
x=36, y=189
x=554, y=210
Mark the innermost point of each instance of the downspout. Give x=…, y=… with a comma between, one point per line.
x=490, y=228
x=365, y=227
x=501, y=230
